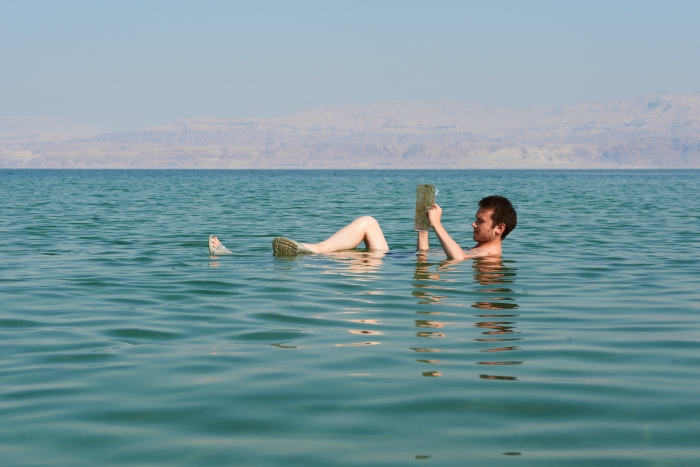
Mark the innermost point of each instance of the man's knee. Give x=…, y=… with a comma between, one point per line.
x=368, y=221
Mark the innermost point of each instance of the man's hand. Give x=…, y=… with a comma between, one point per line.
x=452, y=250
x=434, y=215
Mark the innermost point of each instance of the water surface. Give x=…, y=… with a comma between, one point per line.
x=125, y=343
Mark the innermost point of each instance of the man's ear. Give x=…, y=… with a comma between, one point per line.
x=499, y=229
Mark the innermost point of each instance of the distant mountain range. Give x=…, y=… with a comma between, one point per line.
x=653, y=131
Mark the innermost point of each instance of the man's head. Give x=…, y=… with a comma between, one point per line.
x=496, y=217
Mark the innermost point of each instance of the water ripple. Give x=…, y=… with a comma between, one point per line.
x=126, y=343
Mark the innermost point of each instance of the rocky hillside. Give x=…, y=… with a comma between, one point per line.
x=660, y=130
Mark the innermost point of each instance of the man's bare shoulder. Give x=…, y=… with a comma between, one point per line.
x=482, y=252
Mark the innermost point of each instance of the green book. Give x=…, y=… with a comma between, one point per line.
x=425, y=197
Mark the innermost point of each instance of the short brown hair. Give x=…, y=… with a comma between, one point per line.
x=503, y=212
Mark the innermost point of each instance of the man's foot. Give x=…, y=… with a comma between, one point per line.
x=286, y=247
x=216, y=247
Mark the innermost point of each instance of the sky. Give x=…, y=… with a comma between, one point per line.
x=123, y=65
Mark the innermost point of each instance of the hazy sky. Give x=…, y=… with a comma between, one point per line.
x=127, y=64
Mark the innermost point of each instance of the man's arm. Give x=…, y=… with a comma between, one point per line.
x=423, y=240
x=452, y=249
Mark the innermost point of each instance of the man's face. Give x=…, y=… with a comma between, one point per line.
x=484, y=230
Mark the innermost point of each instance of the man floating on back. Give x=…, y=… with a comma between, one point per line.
x=494, y=220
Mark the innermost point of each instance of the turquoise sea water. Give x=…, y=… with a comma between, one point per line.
x=124, y=343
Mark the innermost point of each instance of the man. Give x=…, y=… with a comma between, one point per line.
x=495, y=219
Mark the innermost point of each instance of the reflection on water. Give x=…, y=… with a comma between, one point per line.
x=363, y=331
x=493, y=271
x=355, y=263
x=355, y=344
x=490, y=272
x=358, y=266
x=506, y=378
x=499, y=327
x=500, y=363
x=430, y=334
x=423, y=349
x=493, y=278
x=496, y=305
x=497, y=349
x=438, y=284
x=421, y=323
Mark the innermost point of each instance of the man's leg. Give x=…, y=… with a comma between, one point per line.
x=363, y=229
